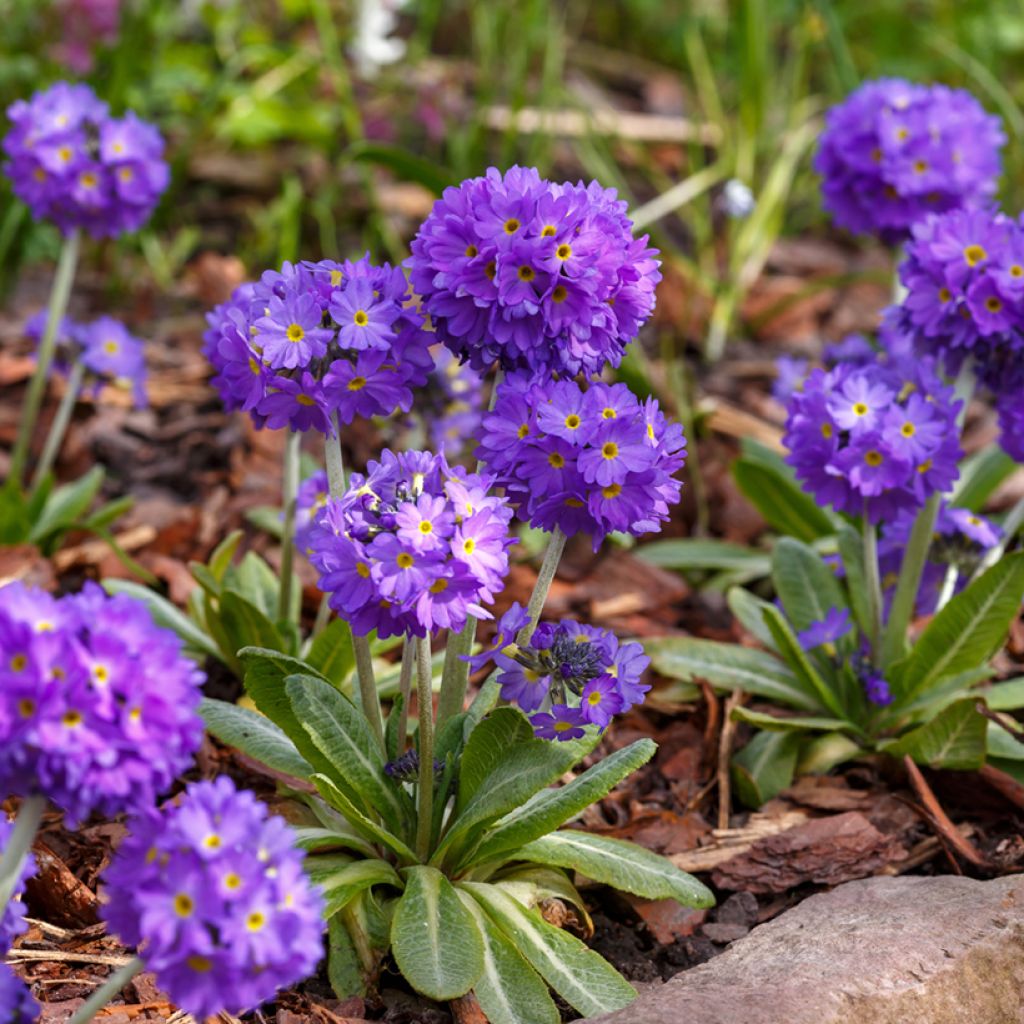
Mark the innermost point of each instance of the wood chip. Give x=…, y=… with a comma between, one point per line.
x=730, y=842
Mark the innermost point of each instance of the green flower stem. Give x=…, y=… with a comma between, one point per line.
x=110, y=988
x=60, y=292
x=405, y=689
x=368, y=697
x=59, y=426
x=455, y=679
x=333, y=458
x=289, y=490
x=323, y=616
x=874, y=583
x=902, y=608
x=425, y=741
x=18, y=846
x=548, y=568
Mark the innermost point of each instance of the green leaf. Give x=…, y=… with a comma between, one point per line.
x=266, y=518
x=509, y=991
x=851, y=551
x=954, y=739
x=796, y=658
x=393, y=743
x=108, y=513
x=822, y=753
x=331, y=652
x=434, y=938
x=980, y=474
x=223, y=553
x=406, y=165
x=967, y=632
x=341, y=734
x=256, y=582
x=532, y=884
x=765, y=766
x=806, y=586
x=16, y=518
x=254, y=734
x=344, y=971
x=580, y=976
x=521, y=771
x=782, y=504
x=342, y=884
x=319, y=840
x=555, y=807
x=265, y=673
x=360, y=823
x=797, y=722
x=1005, y=696
x=167, y=615
x=749, y=609
x=999, y=743
x=699, y=554
x=620, y=864
x=486, y=746
x=66, y=505
x=729, y=667
x=245, y=624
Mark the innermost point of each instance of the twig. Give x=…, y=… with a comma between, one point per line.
x=1003, y=783
x=736, y=699
x=939, y=820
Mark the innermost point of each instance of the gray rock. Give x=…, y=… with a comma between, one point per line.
x=878, y=951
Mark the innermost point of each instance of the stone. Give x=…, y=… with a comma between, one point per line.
x=876, y=951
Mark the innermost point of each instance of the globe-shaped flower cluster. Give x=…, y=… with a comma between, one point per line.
x=315, y=341
x=582, y=460
x=213, y=890
x=74, y=164
x=310, y=500
x=874, y=439
x=12, y=917
x=567, y=676
x=540, y=277
x=108, y=352
x=97, y=703
x=894, y=151
x=16, y=1003
x=412, y=546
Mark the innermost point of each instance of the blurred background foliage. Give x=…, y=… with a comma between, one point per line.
x=294, y=129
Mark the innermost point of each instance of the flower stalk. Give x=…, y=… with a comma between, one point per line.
x=545, y=577
x=425, y=740
x=290, y=488
x=60, y=292
x=18, y=847
x=59, y=427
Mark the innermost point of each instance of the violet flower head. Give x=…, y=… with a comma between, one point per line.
x=12, y=917
x=16, y=1003
x=964, y=280
x=310, y=501
x=568, y=676
x=412, y=546
x=833, y=627
x=213, y=891
x=961, y=538
x=72, y=163
x=1011, y=423
x=585, y=461
x=894, y=151
x=874, y=439
x=876, y=688
x=540, y=277
x=315, y=341
x=97, y=703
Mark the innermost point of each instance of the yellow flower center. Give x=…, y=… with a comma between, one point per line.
x=873, y=458
x=993, y=305
x=920, y=166
x=611, y=491
x=974, y=254
x=253, y=365
x=110, y=346
x=126, y=174
x=572, y=421
x=471, y=251
x=523, y=431
x=945, y=295
x=560, y=293
x=491, y=270
x=556, y=461
x=18, y=662
x=608, y=413
x=469, y=545
x=335, y=278
x=860, y=409
x=363, y=570
x=1016, y=270
x=404, y=560
x=357, y=384
x=610, y=450
x=574, y=503
x=547, y=231
x=526, y=273
x=925, y=466
x=426, y=526
x=908, y=429
x=360, y=319
x=232, y=882
x=594, y=699
x=183, y=905
x=200, y=964
x=71, y=719
x=511, y=226
x=826, y=431
x=100, y=674
x=305, y=400
x=26, y=707
x=88, y=180
x=255, y=921
x=212, y=841
x=439, y=586
x=295, y=333
x=563, y=252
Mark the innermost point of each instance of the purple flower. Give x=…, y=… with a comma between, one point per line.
x=283, y=348
x=789, y=373
x=12, y=917
x=16, y=1003
x=309, y=503
x=74, y=164
x=537, y=276
x=585, y=461
x=97, y=703
x=874, y=439
x=570, y=673
x=560, y=723
x=213, y=889
x=892, y=152
x=876, y=689
x=411, y=547
x=505, y=635
x=1011, y=423
x=835, y=625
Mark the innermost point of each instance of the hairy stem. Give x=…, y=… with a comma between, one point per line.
x=425, y=740
x=110, y=988
x=59, y=426
x=548, y=568
x=914, y=557
x=290, y=488
x=874, y=583
x=405, y=689
x=60, y=292
x=16, y=852
x=368, y=697
x=333, y=458
x=455, y=680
